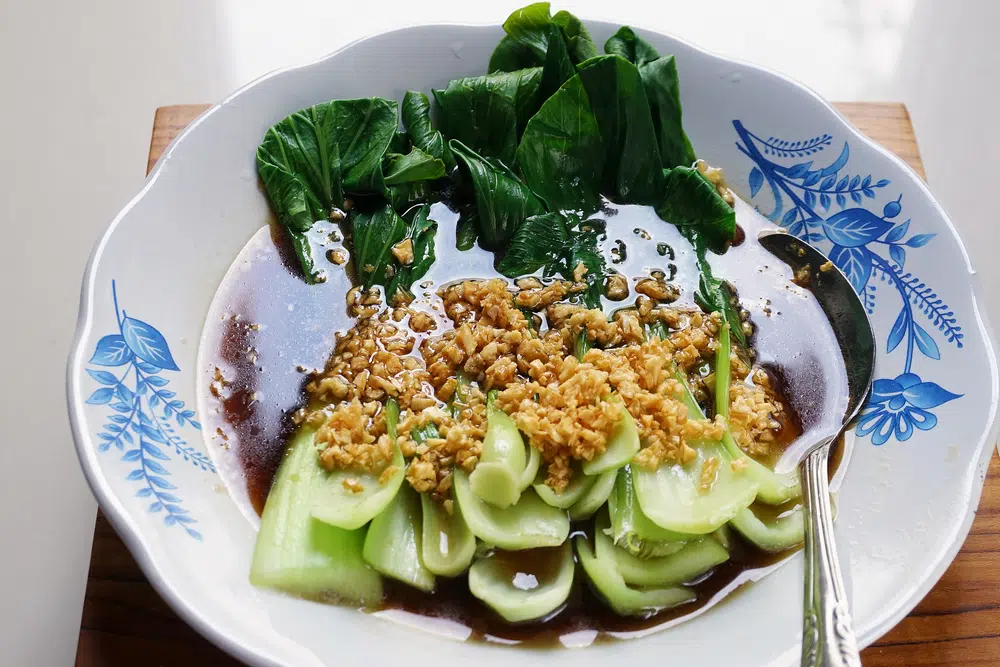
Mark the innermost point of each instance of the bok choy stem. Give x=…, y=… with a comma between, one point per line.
x=774, y=489
x=677, y=497
x=345, y=506
x=296, y=553
x=502, y=460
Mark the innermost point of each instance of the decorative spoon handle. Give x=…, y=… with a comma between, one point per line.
x=827, y=629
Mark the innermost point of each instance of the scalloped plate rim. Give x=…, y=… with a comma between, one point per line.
x=126, y=528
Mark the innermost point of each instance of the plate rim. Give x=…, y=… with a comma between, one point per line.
x=138, y=546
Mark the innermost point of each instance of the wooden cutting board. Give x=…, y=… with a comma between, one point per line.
x=125, y=623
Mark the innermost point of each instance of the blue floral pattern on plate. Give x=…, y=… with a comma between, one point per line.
x=145, y=417
x=830, y=208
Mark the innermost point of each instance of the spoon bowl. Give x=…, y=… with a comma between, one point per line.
x=849, y=321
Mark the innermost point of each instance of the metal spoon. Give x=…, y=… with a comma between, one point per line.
x=827, y=630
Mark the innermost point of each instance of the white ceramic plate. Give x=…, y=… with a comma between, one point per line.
x=907, y=501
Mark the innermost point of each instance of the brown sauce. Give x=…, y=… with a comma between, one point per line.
x=267, y=328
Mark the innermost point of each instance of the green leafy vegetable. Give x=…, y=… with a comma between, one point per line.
x=581, y=46
x=659, y=77
x=717, y=296
x=400, y=143
x=675, y=495
x=529, y=27
x=631, y=529
x=623, y=444
x=558, y=67
x=526, y=43
x=583, y=249
x=299, y=163
x=421, y=232
x=405, y=196
x=497, y=477
x=414, y=166
x=539, y=241
x=663, y=92
x=416, y=114
x=527, y=525
x=632, y=169
x=468, y=229
x=691, y=203
x=310, y=159
x=487, y=112
x=692, y=560
x=578, y=486
x=561, y=154
x=511, y=56
x=303, y=250
x=448, y=545
x=373, y=234
x=595, y=497
x=503, y=202
x=364, y=130
x=626, y=44
x=558, y=242
x=774, y=489
x=674, y=498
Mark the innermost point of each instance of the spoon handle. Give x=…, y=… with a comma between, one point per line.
x=827, y=629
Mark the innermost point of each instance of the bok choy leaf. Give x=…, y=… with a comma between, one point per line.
x=503, y=202
x=309, y=160
x=562, y=154
x=626, y=44
x=499, y=476
x=421, y=231
x=414, y=166
x=595, y=496
x=631, y=529
x=659, y=77
x=488, y=112
x=416, y=115
x=678, y=496
x=632, y=169
x=527, y=44
x=774, y=489
x=691, y=203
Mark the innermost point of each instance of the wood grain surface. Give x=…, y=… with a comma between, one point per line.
x=126, y=624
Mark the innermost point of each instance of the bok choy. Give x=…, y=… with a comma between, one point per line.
x=503, y=471
x=524, y=590
x=296, y=553
x=345, y=505
x=533, y=158
x=677, y=497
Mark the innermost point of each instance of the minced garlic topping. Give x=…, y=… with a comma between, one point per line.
x=566, y=406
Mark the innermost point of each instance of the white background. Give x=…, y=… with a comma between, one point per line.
x=80, y=82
